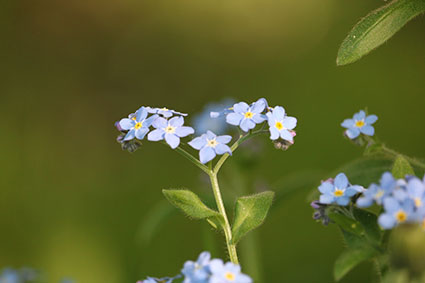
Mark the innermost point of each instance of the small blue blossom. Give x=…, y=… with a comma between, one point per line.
x=360, y=124
x=227, y=273
x=247, y=116
x=138, y=125
x=165, y=112
x=338, y=191
x=280, y=125
x=199, y=271
x=377, y=193
x=157, y=280
x=10, y=276
x=396, y=212
x=415, y=190
x=209, y=145
x=170, y=130
x=216, y=123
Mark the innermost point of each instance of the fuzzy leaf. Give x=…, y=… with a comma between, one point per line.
x=369, y=221
x=401, y=168
x=376, y=28
x=350, y=258
x=346, y=223
x=193, y=207
x=250, y=212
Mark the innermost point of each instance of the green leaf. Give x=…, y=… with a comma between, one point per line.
x=346, y=223
x=250, y=212
x=193, y=207
x=369, y=221
x=376, y=28
x=350, y=258
x=401, y=168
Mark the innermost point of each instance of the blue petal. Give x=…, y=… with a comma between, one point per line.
x=258, y=106
x=364, y=202
x=216, y=266
x=240, y=107
x=206, y=154
x=270, y=119
x=348, y=123
x=387, y=181
x=259, y=118
x=222, y=149
x=234, y=119
x=130, y=135
x=371, y=119
x=184, y=131
x=148, y=122
x=279, y=113
x=172, y=140
x=156, y=135
x=199, y=142
x=326, y=188
x=360, y=115
x=391, y=204
x=342, y=200
x=247, y=124
x=326, y=199
x=415, y=188
x=127, y=124
x=224, y=139
x=289, y=122
x=286, y=135
x=367, y=130
x=141, y=114
x=341, y=181
x=352, y=133
x=141, y=133
x=211, y=135
x=386, y=221
x=160, y=123
x=176, y=121
x=350, y=192
x=274, y=133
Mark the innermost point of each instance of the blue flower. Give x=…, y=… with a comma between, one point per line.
x=157, y=280
x=415, y=190
x=199, y=271
x=338, y=191
x=209, y=145
x=167, y=113
x=359, y=124
x=376, y=193
x=170, y=130
x=227, y=273
x=396, y=212
x=138, y=126
x=247, y=116
x=205, y=121
x=10, y=276
x=281, y=126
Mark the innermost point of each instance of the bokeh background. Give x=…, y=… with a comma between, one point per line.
x=73, y=204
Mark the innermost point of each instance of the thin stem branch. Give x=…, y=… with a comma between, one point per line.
x=193, y=159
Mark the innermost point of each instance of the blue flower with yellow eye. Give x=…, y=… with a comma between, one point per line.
x=138, y=125
x=396, y=212
x=197, y=271
x=280, y=125
x=376, y=193
x=209, y=145
x=247, y=116
x=359, y=124
x=169, y=130
x=338, y=190
x=227, y=273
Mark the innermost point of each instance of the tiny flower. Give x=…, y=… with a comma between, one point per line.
x=338, y=191
x=247, y=116
x=198, y=271
x=376, y=193
x=138, y=126
x=280, y=125
x=216, y=123
x=170, y=130
x=320, y=212
x=359, y=124
x=227, y=273
x=167, y=113
x=416, y=191
x=209, y=145
x=396, y=212
x=157, y=280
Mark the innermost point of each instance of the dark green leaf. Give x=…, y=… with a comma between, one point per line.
x=193, y=207
x=350, y=258
x=369, y=221
x=250, y=212
x=376, y=28
x=346, y=223
x=401, y=168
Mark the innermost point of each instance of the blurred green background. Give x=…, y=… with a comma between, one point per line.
x=72, y=203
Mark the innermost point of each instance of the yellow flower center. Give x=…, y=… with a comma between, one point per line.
x=401, y=216
x=338, y=193
x=279, y=126
x=249, y=115
x=164, y=109
x=229, y=276
x=170, y=129
x=379, y=194
x=418, y=202
x=138, y=125
x=359, y=123
x=212, y=143
x=133, y=118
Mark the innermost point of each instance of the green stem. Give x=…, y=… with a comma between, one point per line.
x=193, y=159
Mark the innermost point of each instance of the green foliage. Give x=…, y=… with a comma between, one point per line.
x=193, y=207
x=376, y=28
x=369, y=221
x=350, y=258
x=401, y=168
x=250, y=212
x=346, y=223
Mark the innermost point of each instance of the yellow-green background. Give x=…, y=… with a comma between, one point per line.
x=72, y=203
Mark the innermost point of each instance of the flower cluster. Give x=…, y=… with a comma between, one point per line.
x=338, y=190
x=206, y=270
x=403, y=200
x=360, y=124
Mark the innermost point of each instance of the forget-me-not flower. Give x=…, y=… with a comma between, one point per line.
x=209, y=145
x=247, y=116
x=138, y=126
x=170, y=130
x=359, y=124
x=376, y=193
x=338, y=191
x=396, y=212
x=227, y=273
x=197, y=271
x=165, y=112
x=280, y=125
x=415, y=190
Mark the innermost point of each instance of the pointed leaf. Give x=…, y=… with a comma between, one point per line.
x=193, y=207
x=346, y=223
x=401, y=168
x=250, y=213
x=376, y=28
x=350, y=258
x=369, y=221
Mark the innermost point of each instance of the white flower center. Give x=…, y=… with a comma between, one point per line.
x=170, y=129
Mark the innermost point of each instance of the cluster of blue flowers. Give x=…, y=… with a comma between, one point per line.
x=168, y=125
x=206, y=270
x=359, y=124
